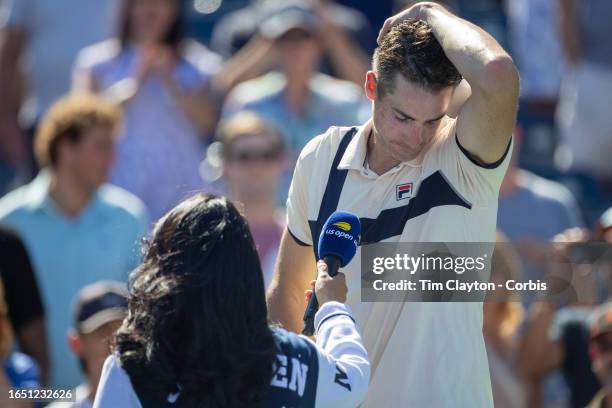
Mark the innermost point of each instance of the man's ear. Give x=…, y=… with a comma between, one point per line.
x=370, y=85
x=74, y=341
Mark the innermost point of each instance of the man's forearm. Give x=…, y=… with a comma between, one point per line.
x=285, y=305
x=294, y=270
x=473, y=51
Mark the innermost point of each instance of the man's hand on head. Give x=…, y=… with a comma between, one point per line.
x=416, y=11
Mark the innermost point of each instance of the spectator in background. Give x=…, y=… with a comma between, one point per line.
x=600, y=351
x=25, y=307
x=536, y=48
x=99, y=310
x=18, y=370
x=161, y=80
x=253, y=162
x=583, y=113
x=347, y=38
x=559, y=339
x=532, y=210
x=503, y=315
x=49, y=34
x=300, y=101
x=76, y=229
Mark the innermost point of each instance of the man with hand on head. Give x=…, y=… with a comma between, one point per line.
x=412, y=174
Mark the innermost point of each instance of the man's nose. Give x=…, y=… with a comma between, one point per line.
x=415, y=136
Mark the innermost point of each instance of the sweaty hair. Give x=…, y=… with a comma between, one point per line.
x=411, y=50
x=197, y=317
x=69, y=119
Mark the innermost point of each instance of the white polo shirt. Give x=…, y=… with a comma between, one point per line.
x=422, y=354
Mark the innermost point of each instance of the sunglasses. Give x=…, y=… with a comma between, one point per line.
x=254, y=156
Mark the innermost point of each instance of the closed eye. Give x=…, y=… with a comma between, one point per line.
x=402, y=119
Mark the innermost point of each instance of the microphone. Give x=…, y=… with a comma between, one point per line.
x=337, y=246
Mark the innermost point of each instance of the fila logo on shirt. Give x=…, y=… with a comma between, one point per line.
x=403, y=191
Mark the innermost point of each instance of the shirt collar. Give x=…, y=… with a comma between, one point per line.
x=355, y=153
x=40, y=199
x=354, y=157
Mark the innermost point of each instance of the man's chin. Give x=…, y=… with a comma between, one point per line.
x=408, y=156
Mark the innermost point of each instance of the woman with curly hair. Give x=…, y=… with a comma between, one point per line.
x=197, y=331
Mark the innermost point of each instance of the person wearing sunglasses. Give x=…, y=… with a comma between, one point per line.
x=254, y=158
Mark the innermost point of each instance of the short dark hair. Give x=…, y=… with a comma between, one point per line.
x=197, y=311
x=411, y=49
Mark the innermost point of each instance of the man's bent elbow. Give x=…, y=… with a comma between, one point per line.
x=501, y=75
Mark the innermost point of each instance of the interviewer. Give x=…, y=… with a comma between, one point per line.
x=197, y=332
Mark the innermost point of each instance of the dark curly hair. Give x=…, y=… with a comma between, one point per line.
x=411, y=49
x=197, y=319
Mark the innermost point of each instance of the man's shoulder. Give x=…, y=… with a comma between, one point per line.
x=15, y=203
x=122, y=203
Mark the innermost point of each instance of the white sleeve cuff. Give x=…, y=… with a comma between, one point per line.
x=331, y=311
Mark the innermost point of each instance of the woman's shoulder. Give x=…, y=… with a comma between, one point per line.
x=99, y=53
x=294, y=345
x=196, y=55
x=115, y=386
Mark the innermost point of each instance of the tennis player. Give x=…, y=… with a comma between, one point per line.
x=412, y=174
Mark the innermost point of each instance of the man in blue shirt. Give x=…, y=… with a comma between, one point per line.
x=77, y=229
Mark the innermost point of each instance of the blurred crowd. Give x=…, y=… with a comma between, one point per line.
x=110, y=114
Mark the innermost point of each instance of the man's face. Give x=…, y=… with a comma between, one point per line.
x=95, y=347
x=408, y=116
x=89, y=160
x=299, y=53
x=253, y=165
x=601, y=358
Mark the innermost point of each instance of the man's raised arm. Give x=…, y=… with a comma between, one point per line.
x=487, y=119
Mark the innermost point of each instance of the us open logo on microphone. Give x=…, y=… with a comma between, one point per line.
x=342, y=231
x=403, y=191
